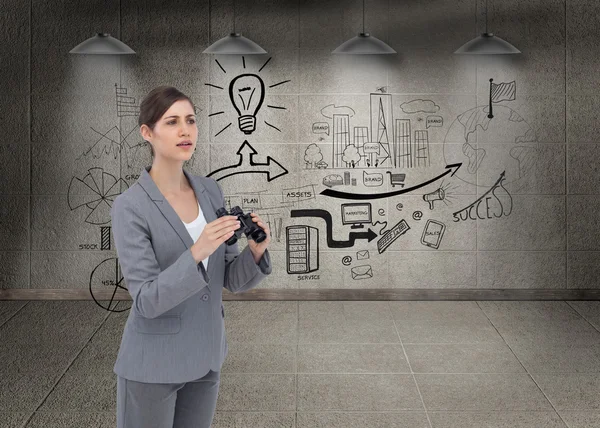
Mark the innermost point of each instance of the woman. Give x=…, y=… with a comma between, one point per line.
x=172, y=252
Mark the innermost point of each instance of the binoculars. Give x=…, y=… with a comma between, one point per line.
x=247, y=226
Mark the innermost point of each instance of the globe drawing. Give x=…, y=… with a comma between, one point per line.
x=488, y=146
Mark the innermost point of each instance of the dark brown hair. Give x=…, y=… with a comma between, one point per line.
x=156, y=103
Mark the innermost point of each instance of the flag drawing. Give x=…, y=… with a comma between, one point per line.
x=501, y=92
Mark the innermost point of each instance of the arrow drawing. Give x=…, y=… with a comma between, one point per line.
x=246, y=165
x=331, y=243
x=345, y=195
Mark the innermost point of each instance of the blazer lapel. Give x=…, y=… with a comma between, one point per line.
x=170, y=214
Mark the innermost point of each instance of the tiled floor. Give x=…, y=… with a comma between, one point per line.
x=339, y=364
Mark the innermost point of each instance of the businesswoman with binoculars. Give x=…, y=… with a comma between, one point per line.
x=176, y=254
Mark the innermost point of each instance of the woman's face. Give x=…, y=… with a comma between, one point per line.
x=176, y=125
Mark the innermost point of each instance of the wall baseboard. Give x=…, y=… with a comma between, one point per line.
x=332, y=294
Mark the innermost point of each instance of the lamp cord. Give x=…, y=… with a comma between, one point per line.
x=363, y=16
x=486, y=16
x=234, y=16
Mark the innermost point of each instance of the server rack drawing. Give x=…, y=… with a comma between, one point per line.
x=302, y=249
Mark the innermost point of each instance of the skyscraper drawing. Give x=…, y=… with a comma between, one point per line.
x=422, y=148
x=341, y=138
x=361, y=136
x=381, y=115
x=402, y=146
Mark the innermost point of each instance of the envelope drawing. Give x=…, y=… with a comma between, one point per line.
x=362, y=272
x=362, y=255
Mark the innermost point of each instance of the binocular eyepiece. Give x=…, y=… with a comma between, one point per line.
x=247, y=226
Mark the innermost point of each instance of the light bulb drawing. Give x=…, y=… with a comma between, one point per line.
x=247, y=92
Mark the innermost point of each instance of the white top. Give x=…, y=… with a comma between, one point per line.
x=195, y=228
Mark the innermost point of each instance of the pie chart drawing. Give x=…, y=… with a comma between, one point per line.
x=95, y=192
x=107, y=276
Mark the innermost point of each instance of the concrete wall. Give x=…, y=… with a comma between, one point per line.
x=530, y=172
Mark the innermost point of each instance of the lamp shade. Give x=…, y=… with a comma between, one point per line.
x=487, y=44
x=102, y=44
x=234, y=44
x=364, y=43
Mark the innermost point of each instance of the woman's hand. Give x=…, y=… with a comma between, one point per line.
x=259, y=249
x=214, y=234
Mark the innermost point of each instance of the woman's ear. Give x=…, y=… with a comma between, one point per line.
x=145, y=131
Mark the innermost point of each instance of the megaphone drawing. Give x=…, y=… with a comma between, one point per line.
x=436, y=195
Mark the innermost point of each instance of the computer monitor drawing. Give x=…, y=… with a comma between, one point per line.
x=356, y=214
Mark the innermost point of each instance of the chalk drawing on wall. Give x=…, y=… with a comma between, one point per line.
x=265, y=200
x=302, y=249
x=386, y=143
x=94, y=193
x=115, y=142
x=107, y=276
x=374, y=179
x=450, y=169
x=356, y=215
x=333, y=180
x=362, y=255
x=485, y=207
x=242, y=90
x=377, y=146
x=383, y=223
x=291, y=196
x=396, y=179
x=247, y=94
x=440, y=194
x=361, y=272
x=392, y=235
x=247, y=165
x=352, y=147
x=275, y=226
x=313, y=157
x=381, y=119
x=417, y=215
x=364, y=271
x=419, y=106
x=369, y=235
x=433, y=233
x=491, y=141
x=407, y=153
x=126, y=105
x=505, y=91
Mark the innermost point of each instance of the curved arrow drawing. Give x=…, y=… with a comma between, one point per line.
x=345, y=195
x=246, y=152
x=331, y=243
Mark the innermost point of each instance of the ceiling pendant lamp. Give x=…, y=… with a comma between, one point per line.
x=487, y=43
x=102, y=44
x=364, y=43
x=234, y=43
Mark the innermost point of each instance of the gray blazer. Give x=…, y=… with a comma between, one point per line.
x=175, y=331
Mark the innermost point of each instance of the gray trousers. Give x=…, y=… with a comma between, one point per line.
x=167, y=405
